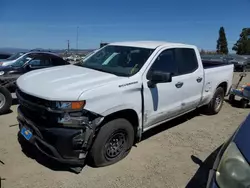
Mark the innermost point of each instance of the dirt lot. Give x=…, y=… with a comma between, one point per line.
x=167, y=157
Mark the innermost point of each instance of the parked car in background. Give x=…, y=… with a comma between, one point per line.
x=231, y=168
x=216, y=57
x=11, y=59
x=28, y=62
x=241, y=63
x=100, y=107
x=4, y=56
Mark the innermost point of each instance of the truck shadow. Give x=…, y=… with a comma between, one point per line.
x=15, y=102
x=199, y=180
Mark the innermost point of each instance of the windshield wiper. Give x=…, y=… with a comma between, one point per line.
x=101, y=70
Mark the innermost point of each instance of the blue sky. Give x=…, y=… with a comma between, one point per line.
x=50, y=23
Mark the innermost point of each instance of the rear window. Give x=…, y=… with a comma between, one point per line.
x=187, y=60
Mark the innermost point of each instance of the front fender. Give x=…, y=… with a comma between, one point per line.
x=120, y=108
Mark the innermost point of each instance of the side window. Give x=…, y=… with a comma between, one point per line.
x=165, y=62
x=187, y=60
x=35, y=62
x=56, y=61
x=40, y=61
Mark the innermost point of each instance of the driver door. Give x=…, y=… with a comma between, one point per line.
x=164, y=101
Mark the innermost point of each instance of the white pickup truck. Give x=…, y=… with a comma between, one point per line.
x=101, y=107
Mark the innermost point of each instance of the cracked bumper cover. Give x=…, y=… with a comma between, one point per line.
x=67, y=145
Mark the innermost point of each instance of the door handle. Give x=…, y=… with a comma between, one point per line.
x=179, y=84
x=199, y=79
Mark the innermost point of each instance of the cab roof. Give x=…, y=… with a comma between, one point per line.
x=150, y=44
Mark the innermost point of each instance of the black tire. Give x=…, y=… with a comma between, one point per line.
x=214, y=107
x=5, y=100
x=103, y=147
x=231, y=98
x=243, y=69
x=244, y=103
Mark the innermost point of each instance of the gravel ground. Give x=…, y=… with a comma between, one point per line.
x=167, y=157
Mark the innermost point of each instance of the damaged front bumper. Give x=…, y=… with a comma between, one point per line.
x=67, y=143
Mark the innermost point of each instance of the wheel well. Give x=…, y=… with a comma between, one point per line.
x=127, y=114
x=224, y=86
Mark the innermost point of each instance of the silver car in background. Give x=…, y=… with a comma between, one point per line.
x=12, y=59
x=241, y=63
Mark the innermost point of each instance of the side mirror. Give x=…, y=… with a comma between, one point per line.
x=156, y=77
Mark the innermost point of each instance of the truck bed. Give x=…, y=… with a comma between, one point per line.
x=212, y=63
x=216, y=73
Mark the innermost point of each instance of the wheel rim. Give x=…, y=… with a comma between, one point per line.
x=218, y=102
x=2, y=100
x=115, y=144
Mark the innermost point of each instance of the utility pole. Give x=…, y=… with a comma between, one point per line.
x=68, y=46
x=77, y=39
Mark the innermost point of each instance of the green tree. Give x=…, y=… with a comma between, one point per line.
x=202, y=51
x=221, y=47
x=242, y=46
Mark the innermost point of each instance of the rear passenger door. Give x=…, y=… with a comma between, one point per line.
x=191, y=74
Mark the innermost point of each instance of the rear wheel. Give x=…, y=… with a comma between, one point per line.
x=216, y=102
x=5, y=100
x=231, y=98
x=244, y=103
x=113, y=142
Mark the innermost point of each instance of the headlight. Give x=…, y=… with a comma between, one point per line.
x=1, y=73
x=233, y=170
x=76, y=105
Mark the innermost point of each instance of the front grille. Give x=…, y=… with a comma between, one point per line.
x=32, y=99
x=35, y=109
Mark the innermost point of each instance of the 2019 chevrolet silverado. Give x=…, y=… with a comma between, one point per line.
x=101, y=107
x=28, y=62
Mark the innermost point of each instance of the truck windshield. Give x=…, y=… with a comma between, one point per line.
x=118, y=60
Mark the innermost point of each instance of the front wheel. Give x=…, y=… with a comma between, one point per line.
x=113, y=142
x=216, y=102
x=5, y=100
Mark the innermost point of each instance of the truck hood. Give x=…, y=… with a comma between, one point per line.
x=63, y=83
